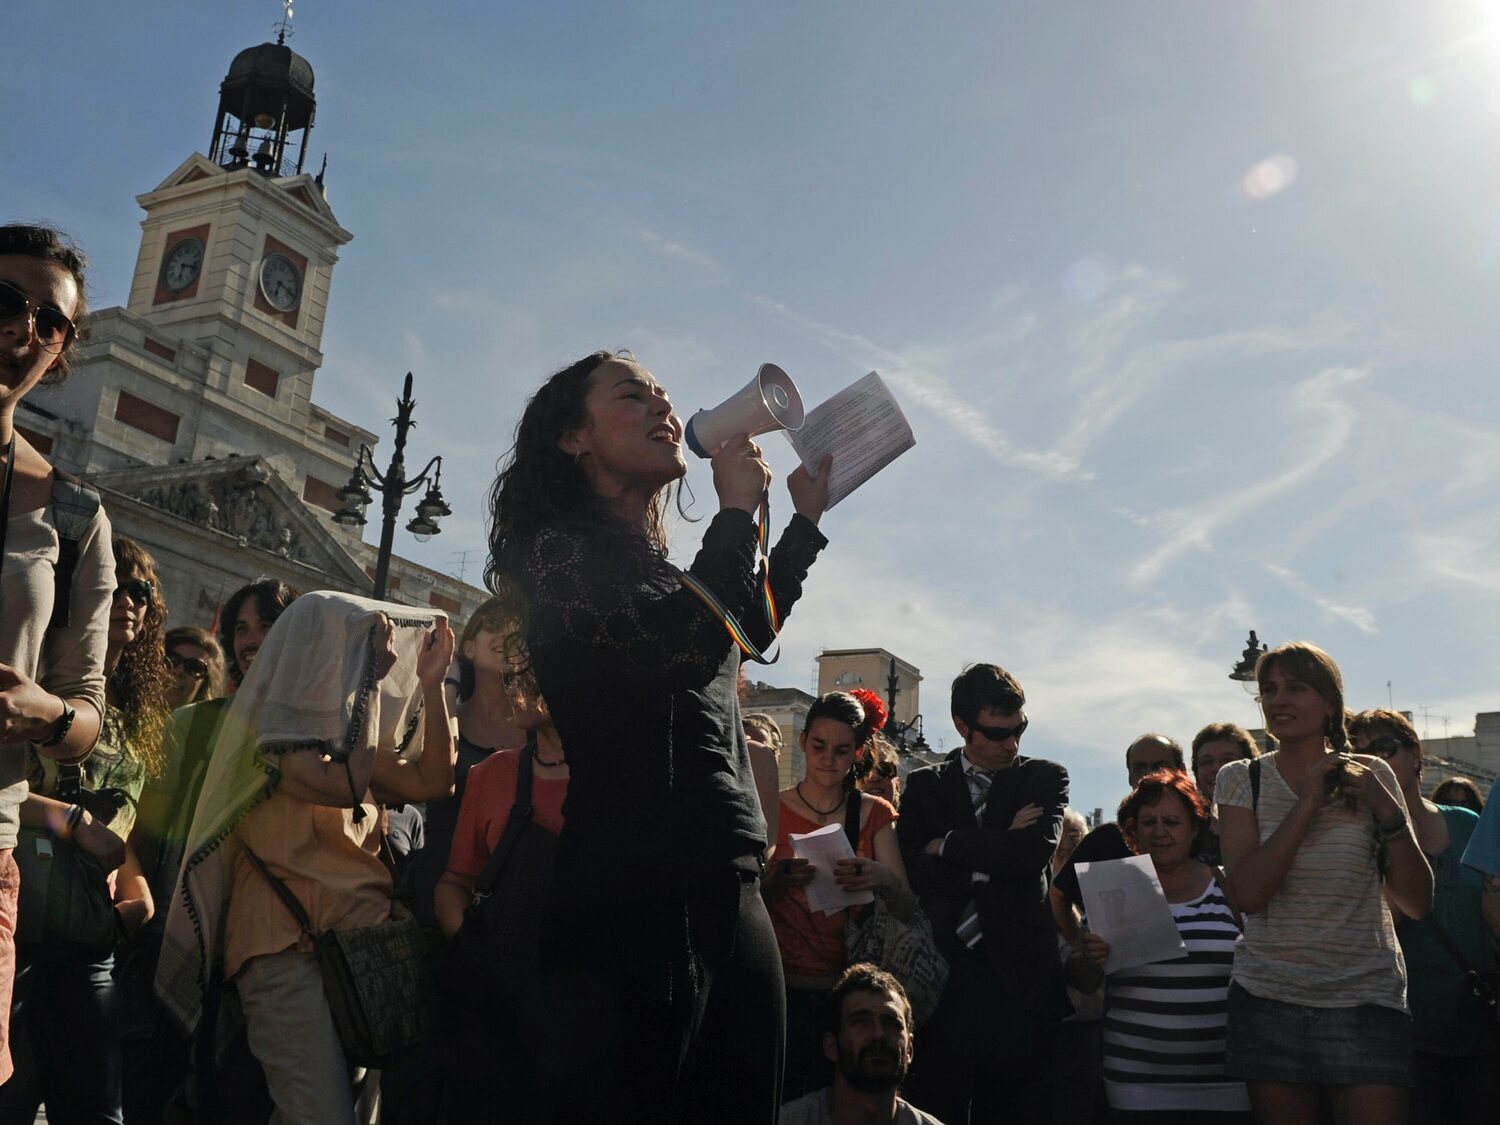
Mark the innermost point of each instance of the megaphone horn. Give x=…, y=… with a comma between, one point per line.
x=767, y=402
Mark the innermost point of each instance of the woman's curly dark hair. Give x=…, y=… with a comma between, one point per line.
x=138, y=683
x=539, y=485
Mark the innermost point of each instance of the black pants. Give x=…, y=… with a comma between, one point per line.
x=617, y=1051
x=982, y=1059
x=1456, y=1089
x=65, y=1035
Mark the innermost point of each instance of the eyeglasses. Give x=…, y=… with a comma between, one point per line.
x=1387, y=746
x=1002, y=734
x=189, y=664
x=137, y=590
x=53, y=330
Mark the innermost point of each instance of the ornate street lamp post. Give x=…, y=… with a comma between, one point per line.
x=896, y=730
x=1244, y=669
x=394, y=486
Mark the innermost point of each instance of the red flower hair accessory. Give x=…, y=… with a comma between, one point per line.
x=875, y=710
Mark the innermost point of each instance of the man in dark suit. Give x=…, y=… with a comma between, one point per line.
x=977, y=833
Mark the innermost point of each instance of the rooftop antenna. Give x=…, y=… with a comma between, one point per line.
x=283, y=26
x=1391, y=699
x=462, y=558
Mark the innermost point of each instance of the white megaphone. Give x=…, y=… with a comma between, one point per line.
x=767, y=402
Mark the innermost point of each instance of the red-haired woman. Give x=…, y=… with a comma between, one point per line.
x=835, y=743
x=1165, y=1022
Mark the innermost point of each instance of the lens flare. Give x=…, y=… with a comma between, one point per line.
x=1272, y=175
x=1422, y=91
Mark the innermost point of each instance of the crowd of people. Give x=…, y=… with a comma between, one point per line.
x=326, y=862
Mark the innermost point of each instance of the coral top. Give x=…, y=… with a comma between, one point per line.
x=812, y=944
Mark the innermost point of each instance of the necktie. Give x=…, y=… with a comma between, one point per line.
x=968, y=925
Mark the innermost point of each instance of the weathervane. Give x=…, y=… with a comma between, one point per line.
x=283, y=26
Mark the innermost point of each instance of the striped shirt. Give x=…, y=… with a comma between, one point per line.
x=1164, y=1023
x=1325, y=940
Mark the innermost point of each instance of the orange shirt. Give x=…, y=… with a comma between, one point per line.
x=812, y=944
x=488, y=795
x=327, y=860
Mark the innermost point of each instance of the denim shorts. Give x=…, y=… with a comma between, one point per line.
x=1293, y=1044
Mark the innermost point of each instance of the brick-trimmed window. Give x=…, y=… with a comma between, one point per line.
x=260, y=377
x=338, y=437
x=146, y=416
x=321, y=493
x=447, y=605
x=392, y=582
x=160, y=349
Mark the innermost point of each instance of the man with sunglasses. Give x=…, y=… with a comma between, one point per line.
x=977, y=833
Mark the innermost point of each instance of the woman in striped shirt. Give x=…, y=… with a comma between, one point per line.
x=1164, y=1023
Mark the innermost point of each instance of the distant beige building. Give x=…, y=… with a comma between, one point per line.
x=842, y=669
x=788, y=710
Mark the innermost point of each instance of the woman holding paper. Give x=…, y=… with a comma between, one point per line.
x=1165, y=1022
x=835, y=746
x=664, y=986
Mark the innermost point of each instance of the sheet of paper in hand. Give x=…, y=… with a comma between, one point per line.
x=864, y=429
x=1127, y=908
x=823, y=849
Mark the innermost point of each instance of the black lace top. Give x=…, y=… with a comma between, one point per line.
x=640, y=678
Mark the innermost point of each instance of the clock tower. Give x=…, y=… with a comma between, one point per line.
x=195, y=398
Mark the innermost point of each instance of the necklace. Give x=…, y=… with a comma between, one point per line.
x=536, y=756
x=821, y=812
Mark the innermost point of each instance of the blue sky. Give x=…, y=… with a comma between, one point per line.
x=1190, y=304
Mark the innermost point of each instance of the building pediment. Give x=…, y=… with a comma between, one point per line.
x=195, y=167
x=244, y=500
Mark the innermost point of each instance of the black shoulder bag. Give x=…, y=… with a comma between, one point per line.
x=376, y=979
x=499, y=944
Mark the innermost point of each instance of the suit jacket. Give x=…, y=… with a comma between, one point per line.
x=1020, y=937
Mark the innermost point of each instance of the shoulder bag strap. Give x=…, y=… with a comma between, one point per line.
x=521, y=813
x=851, y=818
x=1472, y=977
x=73, y=507
x=1255, y=786
x=283, y=892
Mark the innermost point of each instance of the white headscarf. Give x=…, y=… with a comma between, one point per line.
x=312, y=686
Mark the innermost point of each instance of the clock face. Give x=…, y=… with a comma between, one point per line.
x=281, y=282
x=182, y=265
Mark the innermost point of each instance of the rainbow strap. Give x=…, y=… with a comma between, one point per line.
x=767, y=599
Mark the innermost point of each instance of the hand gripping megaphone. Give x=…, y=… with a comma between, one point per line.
x=767, y=402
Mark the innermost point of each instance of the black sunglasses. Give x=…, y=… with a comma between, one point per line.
x=189, y=664
x=53, y=329
x=1386, y=746
x=1002, y=734
x=137, y=590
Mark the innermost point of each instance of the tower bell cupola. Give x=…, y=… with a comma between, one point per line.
x=266, y=109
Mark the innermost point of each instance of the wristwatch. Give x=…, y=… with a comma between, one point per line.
x=64, y=725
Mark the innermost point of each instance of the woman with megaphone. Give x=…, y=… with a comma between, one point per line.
x=660, y=966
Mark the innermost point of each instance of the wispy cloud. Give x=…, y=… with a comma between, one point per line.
x=1356, y=615
x=934, y=393
x=677, y=251
x=1326, y=423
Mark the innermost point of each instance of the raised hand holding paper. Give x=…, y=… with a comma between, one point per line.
x=864, y=429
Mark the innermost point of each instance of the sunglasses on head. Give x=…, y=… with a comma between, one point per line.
x=137, y=590
x=1386, y=746
x=1002, y=734
x=189, y=664
x=53, y=330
